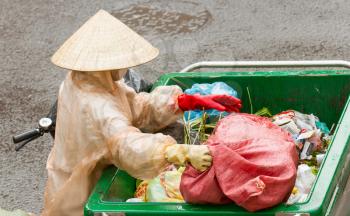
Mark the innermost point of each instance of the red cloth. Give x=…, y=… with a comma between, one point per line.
x=254, y=165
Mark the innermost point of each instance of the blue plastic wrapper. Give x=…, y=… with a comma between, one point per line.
x=208, y=89
x=323, y=127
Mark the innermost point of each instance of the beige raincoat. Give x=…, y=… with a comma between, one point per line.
x=99, y=122
x=100, y=119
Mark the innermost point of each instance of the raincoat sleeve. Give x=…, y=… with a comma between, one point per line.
x=142, y=155
x=156, y=110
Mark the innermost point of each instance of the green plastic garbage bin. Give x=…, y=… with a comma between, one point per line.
x=324, y=93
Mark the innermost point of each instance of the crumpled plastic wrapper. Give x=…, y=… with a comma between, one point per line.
x=164, y=188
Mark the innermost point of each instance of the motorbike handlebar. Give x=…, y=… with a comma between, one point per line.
x=26, y=135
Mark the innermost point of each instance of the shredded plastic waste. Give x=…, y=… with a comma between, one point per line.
x=304, y=130
x=312, y=138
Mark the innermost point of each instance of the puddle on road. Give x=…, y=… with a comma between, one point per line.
x=156, y=20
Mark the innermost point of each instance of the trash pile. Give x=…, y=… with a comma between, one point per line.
x=310, y=136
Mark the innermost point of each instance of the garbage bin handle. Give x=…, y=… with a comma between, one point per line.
x=258, y=64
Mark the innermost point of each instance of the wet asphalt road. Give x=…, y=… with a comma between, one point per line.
x=184, y=31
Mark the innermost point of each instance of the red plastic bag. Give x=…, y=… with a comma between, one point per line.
x=254, y=165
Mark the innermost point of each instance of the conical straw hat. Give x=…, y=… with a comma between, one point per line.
x=104, y=43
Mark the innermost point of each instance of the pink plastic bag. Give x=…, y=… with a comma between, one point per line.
x=254, y=165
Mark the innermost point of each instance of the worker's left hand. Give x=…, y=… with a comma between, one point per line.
x=219, y=102
x=199, y=156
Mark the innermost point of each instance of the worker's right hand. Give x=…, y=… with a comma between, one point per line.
x=198, y=155
x=221, y=102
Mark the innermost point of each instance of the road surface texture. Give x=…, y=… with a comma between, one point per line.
x=185, y=32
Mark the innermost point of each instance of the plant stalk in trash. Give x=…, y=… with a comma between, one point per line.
x=250, y=101
x=264, y=112
x=199, y=128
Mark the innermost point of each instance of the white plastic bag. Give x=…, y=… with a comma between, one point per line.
x=303, y=184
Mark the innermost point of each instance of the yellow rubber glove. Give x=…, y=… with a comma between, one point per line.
x=198, y=155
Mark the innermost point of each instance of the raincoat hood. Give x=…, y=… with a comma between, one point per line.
x=99, y=79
